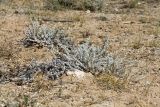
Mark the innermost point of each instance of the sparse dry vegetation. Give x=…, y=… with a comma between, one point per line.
x=79, y=53
x=110, y=81
x=7, y=50
x=92, y=5
x=137, y=43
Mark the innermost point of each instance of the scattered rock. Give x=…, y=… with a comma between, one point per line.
x=77, y=73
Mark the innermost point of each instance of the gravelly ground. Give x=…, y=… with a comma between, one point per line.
x=134, y=35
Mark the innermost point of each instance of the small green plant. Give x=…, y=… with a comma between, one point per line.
x=133, y=3
x=26, y=100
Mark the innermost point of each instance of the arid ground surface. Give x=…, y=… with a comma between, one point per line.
x=134, y=35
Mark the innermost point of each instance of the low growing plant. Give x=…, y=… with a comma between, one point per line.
x=86, y=56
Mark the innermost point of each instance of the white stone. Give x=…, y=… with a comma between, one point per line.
x=77, y=73
x=88, y=11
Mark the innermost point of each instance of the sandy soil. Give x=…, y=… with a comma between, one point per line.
x=134, y=35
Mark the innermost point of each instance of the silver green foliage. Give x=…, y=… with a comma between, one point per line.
x=41, y=35
x=86, y=56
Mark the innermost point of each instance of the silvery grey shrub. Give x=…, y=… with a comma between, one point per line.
x=86, y=56
x=37, y=34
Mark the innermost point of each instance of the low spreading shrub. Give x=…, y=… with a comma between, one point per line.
x=86, y=56
x=69, y=56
